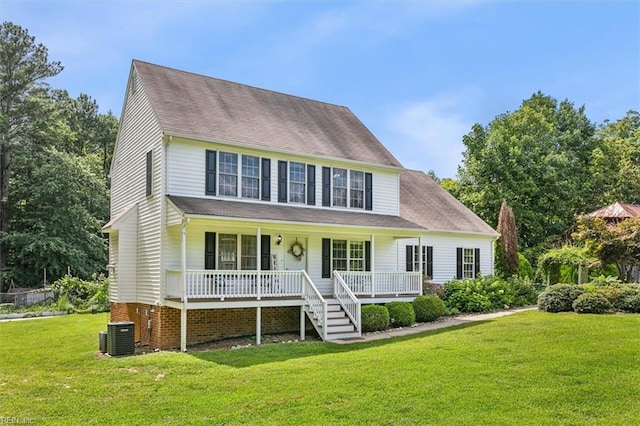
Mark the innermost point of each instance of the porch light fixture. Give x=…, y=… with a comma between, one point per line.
x=279, y=239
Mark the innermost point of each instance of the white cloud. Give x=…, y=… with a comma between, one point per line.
x=427, y=135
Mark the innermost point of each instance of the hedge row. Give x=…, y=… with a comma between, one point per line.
x=488, y=293
x=597, y=297
x=402, y=314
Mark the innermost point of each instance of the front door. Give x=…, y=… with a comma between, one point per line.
x=295, y=253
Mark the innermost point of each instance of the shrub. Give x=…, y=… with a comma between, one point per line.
x=83, y=294
x=374, y=318
x=401, y=314
x=466, y=296
x=559, y=297
x=617, y=292
x=428, y=308
x=524, y=292
x=630, y=303
x=592, y=303
x=525, y=270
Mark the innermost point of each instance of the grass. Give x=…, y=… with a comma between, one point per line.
x=530, y=368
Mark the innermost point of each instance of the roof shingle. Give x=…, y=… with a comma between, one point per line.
x=424, y=202
x=203, y=107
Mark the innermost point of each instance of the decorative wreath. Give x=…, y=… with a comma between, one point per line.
x=296, y=250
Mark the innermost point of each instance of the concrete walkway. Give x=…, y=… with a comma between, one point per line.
x=449, y=322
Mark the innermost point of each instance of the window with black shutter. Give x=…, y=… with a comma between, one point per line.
x=282, y=181
x=211, y=163
x=266, y=179
x=149, y=174
x=368, y=191
x=326, y=258
x=311, y=185
x=265, y=252
x=326, y=186
x=209, y=250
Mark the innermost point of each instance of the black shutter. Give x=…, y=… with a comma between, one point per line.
x=424, y=260
x=149, y=173
x=265, y=252
x=282, y=181
x=459, y=263
x=476, y=261
x=209, y=250
x=326, y=186
x=429, y=270
x=409, y=260
x=326, y=258
x=368, y=191
x=311, y=185
x=266, y=179
x=211, y=173
x=367, y=256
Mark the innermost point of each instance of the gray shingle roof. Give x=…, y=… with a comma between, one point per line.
x=424, y=202
x=203, y=107
x=287, y=214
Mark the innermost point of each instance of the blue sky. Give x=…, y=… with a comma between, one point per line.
x=418, y=74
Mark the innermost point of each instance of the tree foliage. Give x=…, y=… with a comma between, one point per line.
x=615, y=167
x=24, y=65
x=507, y=254
x=612, y=243
x=537, y=157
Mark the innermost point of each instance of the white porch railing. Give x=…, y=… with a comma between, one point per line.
x=348, y=300
x=372, y=284
x=204, y=284
x=317, y=305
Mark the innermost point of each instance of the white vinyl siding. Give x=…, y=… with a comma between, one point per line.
x=186, y=175
x=444, y=252
x=139, y=133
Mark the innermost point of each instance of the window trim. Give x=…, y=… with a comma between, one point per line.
x=255, y=178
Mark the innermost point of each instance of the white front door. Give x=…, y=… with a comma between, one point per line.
x=295, y=253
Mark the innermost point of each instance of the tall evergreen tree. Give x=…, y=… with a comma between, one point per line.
x=24, y=65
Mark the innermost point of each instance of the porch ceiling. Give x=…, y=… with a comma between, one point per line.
x=288, y=214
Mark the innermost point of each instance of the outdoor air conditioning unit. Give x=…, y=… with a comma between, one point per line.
x=120, y=338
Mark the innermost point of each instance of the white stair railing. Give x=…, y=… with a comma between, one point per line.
x=317, y=305
x=349, y=302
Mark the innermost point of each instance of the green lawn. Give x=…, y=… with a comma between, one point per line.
x=529, y=368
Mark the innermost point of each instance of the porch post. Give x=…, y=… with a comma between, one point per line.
x=258, y=262
x=373, y=265
x=183, y=281
x=302, y=324
x=258, y=325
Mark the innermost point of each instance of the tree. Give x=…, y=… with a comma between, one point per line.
x=616, y=161
x=60, y=206
x=612, y=243
x=23, y=67
x=537, y=157
x=507, y=243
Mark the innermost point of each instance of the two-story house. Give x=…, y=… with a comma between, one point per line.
x=239, y=211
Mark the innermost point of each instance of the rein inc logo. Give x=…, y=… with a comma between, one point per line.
x=16, y=421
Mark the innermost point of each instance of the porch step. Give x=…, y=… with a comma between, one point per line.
x=334, y=322
x=339, y=325
x=342, y=336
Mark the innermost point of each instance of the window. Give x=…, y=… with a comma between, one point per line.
x=357, y=189
x=149, y=174
x=250, y=176
x=248, y=252
x=340, y=187
x=297, y=181
x=227, y=249
x=413, y=260
x=356, y=256
x=228, y=174
x=339, y=254
x=468, y=263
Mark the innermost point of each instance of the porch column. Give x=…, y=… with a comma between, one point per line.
x=258, y=261
x=373, y=265
x=258, y=325
x=302, y=324
x=183, y=282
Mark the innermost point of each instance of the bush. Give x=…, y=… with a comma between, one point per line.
x=374, y=318
x=428, y=308
x=630, y=303
x=617, y=292
x=466, y=296
x=83, y=294
x=525, y=270
x=401, y=314
x=592, y=303
x=559, y=297
x=524, y=292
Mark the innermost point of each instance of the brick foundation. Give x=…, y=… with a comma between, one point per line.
x=203, y=325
